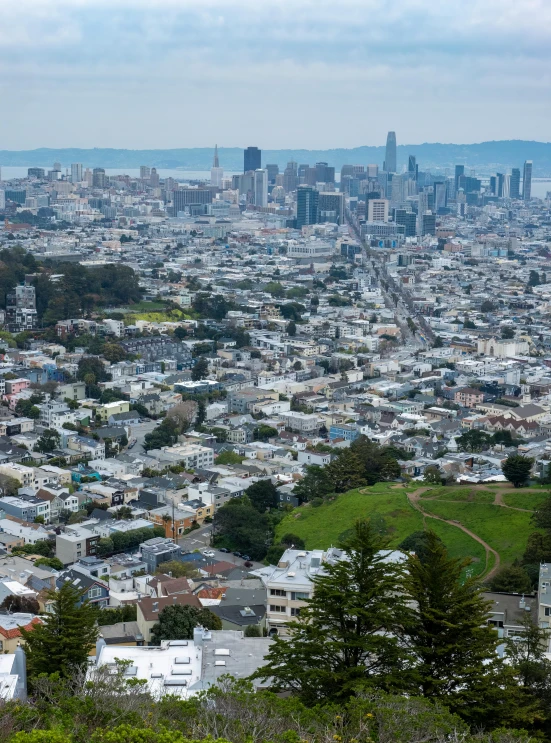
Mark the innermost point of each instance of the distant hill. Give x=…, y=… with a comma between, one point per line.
x=484, y=157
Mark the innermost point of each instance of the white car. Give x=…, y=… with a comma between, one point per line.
x=208, y=553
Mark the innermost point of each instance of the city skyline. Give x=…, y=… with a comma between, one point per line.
x=445, y=66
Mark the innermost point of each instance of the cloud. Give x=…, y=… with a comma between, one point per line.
x=410, y=65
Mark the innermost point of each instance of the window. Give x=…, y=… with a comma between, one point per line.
x=295, y=612
x=299, y=595
x=548, y=611
x=277, y=592
x=280, y=609
x=93, y=593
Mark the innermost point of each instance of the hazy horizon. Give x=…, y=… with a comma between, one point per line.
x=145, y=74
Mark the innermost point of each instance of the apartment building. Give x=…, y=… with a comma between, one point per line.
x=76, y=542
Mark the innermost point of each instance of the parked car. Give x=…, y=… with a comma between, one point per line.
x=208, y=553
x=223, y=549
x=246, y=557
x=237, y=554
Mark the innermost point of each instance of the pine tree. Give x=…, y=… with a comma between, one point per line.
x=62, y=643
x=453, y=648
x=346, y=635
x=516, y=469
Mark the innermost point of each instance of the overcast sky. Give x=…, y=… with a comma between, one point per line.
x=274, y=73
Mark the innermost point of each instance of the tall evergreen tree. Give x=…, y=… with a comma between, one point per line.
x=453, y=648
x=61, y=645
x=346, y=635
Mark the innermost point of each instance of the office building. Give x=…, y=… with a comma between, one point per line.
x=459, y=172
x=307, y=206
x=407, y=219
x=290, y=177
x=2, y=199
x=331, y=207
x=377, y=210
x=184, y=198
x=260, y=188
x=39, y=173
x=372, y=171
x=252, y=158
x=506, y=186
x=440, y=195
x=273, y=172
x=514, y=190
x=99, y=179
x=428, y=222
x=216, y=172
x=324, y=173
x=154, y=179
x=390, y=153
x=145, y=172
x=527, y=181
x=76, y=172
x=21, y=309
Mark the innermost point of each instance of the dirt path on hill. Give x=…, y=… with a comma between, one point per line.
x=498, y=501
x=414, y=497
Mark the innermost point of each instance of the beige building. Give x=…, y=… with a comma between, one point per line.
x=150, y=608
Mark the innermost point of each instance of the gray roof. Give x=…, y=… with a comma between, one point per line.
x=246, y=654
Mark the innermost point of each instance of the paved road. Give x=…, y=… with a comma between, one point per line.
x=139, y=432
x=200, y=540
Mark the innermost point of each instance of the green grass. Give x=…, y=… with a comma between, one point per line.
x=503, y=529
x=467, y=495
x=524, y=499
x=144, y=306
x=323, y=526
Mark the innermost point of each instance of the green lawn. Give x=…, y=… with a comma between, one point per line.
x=323, y=526
x=144, y=306
x=462, y=494
x=524, y=499
x=503, y=529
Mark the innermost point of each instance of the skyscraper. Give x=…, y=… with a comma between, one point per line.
x=459, y=172
x=145, y=172
x=260, y=187
x=527, y=181
x=390, y=153
x=307, y=206
x=99, y=179
x=273, y=172
x=514, y=190
x=216, y=172
x=76, y=172
x=290, y=177
x=252, y=157
x=413, y=168
x=331, y=207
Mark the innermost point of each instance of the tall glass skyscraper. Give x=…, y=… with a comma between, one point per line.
x=390, y=153
x=527, y=181
x=514, y=189
x=307, y=206
x=251, y=159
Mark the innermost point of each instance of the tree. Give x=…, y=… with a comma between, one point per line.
x=263, y=432
x=9, y=485
x=263, y=495
x=178, y=622
x=291, y=328
x=453, y=649
x=25, y=604
x=347, y=633
x=316, y=483
x=511, y=579
x=487, y=306
x=473, y=440
x=418, y=543
x=239, y=526
x=253, y=630
x=516, y=469
x=200, y=369
x=346, y=471
x=432, y=475
x=229, y=457
x=507, y=333
x=182, y=415
x=542, y=514
x=62, y=643
x=177, y=569
x=48, y=441
x=49, y=562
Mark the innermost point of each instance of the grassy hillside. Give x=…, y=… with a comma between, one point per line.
x=504, y=529
x=322, y=527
